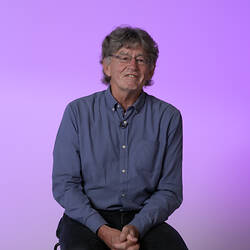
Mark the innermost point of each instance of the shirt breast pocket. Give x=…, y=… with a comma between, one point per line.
x=145, y=155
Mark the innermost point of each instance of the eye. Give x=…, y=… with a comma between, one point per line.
x=124, y=58
x=140, y=60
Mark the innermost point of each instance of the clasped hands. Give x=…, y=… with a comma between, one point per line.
x=127, y=239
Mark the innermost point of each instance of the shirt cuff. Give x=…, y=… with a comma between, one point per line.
x=141, y=225
x=94, y=222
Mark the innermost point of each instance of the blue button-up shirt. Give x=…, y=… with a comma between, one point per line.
x=105, y=158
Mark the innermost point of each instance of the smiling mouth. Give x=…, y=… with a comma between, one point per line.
x=131, y=76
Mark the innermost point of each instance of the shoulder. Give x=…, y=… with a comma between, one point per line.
x=169, y=116
x=161, y=106
x=83, y=107
x=86, y=100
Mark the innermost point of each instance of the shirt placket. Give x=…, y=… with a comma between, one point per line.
x=124, y=150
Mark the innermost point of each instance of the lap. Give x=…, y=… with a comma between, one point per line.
x=162, y=237
x=75, y=236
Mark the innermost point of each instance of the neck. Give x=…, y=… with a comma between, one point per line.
x=125, y=98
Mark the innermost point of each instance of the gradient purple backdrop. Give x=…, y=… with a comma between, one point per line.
x=49, y=55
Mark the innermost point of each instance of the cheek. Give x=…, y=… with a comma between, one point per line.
x=147, y=75
x=144, y=75
x=114, y=73
x=122, y=70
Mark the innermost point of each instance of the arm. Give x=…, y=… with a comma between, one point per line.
x=67, y=183
x=168, y=194
x=67, y=176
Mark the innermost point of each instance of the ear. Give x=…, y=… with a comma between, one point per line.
x=106, y=66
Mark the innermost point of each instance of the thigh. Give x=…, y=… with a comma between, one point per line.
x=162, y=237
x=75, y=236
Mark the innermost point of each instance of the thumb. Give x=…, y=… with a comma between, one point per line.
x=132, y=232
x=124, y=234
x=132, y=238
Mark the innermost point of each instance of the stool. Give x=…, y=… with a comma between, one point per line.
x=56, y=246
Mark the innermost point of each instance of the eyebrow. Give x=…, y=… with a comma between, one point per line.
x=126, y=53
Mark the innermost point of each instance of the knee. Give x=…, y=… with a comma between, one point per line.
x=74, y=247
x=163, y=237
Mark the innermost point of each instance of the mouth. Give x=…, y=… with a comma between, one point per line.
x=131, y=75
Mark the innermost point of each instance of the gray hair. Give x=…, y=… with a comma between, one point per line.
x=129, y=37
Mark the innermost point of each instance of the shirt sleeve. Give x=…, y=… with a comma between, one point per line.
x=168, y=194
x=67, y=181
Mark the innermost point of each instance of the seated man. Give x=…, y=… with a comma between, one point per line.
x=118, y=156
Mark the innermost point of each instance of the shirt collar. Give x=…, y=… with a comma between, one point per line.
x=112, y=103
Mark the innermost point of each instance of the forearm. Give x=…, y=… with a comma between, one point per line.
x=67, y=191
x=156, y=210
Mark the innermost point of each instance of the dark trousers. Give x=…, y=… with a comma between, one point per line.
x=75, y=236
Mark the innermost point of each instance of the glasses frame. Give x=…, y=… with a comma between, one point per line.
x=129, y=59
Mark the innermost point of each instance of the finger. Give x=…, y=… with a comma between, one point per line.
x=123, y=245
x=124, y=234
x=132, y=238
x=132, y=232
x=134, y=247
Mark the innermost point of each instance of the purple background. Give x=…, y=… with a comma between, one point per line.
x=49, y=55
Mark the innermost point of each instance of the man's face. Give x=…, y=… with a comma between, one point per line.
x=129, y=69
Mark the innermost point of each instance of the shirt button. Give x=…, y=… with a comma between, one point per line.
x=123, y=171
x=113, y=109
x=123, y=146
x=123, y=195
x=124, y=122
x=118, y=106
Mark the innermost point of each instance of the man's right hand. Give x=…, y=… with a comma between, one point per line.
x=111, y=237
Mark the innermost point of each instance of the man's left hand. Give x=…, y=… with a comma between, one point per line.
x=129, y=239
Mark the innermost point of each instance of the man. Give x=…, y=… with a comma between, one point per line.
x=118, y=156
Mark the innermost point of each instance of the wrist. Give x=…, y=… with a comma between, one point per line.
x=101, y=231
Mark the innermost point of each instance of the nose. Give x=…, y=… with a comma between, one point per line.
x=133, y=62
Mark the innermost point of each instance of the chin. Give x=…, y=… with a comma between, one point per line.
x=132, y=84
x=132, y=87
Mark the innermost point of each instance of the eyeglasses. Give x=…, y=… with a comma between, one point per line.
x=126, y=59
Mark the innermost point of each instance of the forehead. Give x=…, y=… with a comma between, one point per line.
x=134, y=49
